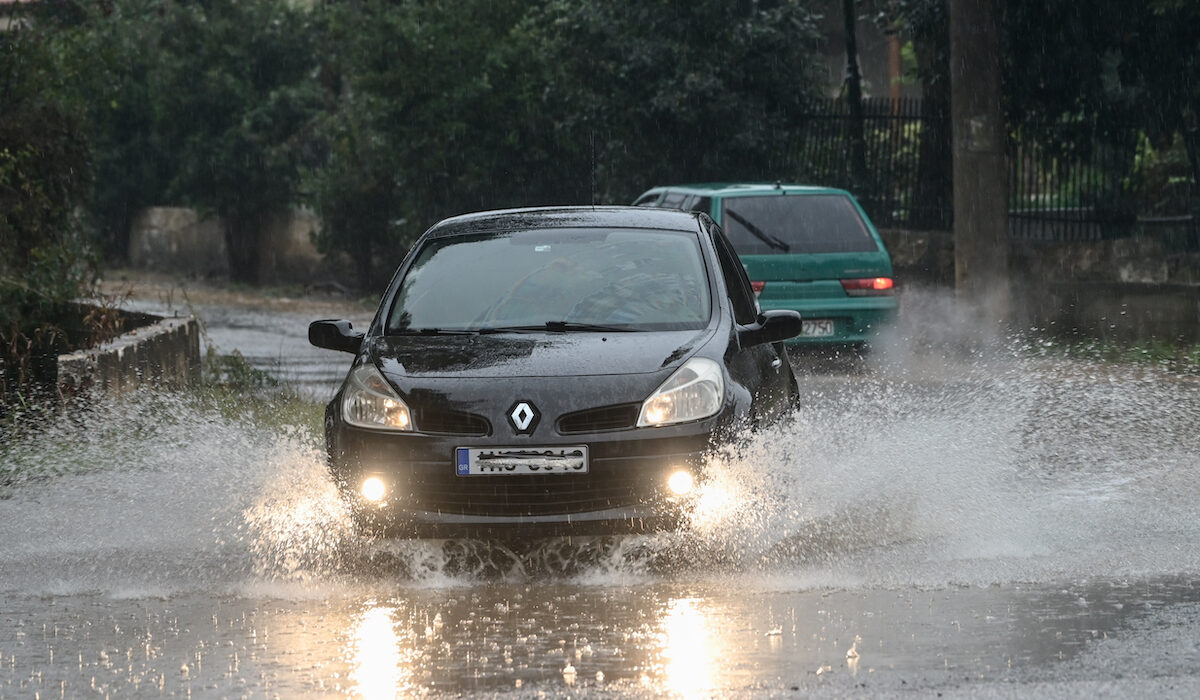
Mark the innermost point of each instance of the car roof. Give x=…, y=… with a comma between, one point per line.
x=567, y=217
x=725, y=189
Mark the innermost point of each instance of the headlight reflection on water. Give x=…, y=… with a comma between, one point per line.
x=379, y=669
x=689, y=648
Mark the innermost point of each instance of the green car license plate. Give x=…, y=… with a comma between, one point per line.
x=816, y=328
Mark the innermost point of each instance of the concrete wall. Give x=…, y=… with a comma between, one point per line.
x=176, y=239
x=289, y=254
x=1137, y=288
x=164, y=353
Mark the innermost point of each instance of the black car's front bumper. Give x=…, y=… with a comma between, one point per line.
x=624, y=491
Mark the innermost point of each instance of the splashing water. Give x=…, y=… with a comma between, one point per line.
x=993, y=469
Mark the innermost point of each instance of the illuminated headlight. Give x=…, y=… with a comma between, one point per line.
x=368, y=401
x=373, y=489
x=681, y=482
x=695, y=391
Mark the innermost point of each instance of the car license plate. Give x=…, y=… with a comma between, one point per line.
x=501, y=461
x=816, y=327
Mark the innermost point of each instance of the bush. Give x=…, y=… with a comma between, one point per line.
x=44, y=261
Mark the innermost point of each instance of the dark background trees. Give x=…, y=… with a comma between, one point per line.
x=236, y=97
x=386, y=116
x=441, y=109
x=45, y=160
x=1110, y=63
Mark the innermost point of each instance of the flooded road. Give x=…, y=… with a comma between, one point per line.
x=982, y=524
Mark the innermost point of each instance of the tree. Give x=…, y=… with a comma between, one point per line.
x=675, y=91
x=44, y=161
x=852, y=91
x=237, y=103
x=1105, y=74
x=419, y=123
x=117, y=58
x=980, y=175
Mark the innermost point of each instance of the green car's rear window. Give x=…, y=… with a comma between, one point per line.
x=809, y=223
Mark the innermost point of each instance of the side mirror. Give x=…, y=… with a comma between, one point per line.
x=771, y=327
x=335, y=335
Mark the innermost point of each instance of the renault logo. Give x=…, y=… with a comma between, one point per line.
x=523, y=417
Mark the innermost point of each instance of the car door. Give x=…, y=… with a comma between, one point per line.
x=762, y=369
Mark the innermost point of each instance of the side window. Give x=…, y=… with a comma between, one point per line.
x=703, y=204
x=737, y=284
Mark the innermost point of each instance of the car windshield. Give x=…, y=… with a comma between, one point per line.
x=809, y=223
x=561, y=280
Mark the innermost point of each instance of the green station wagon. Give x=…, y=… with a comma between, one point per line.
x=811, y=249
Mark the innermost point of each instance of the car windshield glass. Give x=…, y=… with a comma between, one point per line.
x=610, y=279
x=810, y=223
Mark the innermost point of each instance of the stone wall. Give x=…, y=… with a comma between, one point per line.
x=289, y=254
x=1136, y=288
x=163, y=353
x=176, y=239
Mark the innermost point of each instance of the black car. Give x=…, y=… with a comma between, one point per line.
x=552, y=371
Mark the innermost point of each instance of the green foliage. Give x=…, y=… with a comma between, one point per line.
x=1181, y=358
x=674, y=91
x=205, y=104
x=396, y=114
x=236, y=98
x=442, y=109
x=44, y=161
x=1090, y=82
x=230, y=385
x=118, y=74
x=425, y=123
x=1115, y=62
x=233, y=372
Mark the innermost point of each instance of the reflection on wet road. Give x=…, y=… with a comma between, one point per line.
x=987, y=526
x=730, y=637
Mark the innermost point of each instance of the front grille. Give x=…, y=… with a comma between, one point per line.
x=421, y=467
x=596, y=420
x=451, y=422
x=537, y=494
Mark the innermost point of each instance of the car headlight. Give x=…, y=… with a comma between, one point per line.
x=368, y=401
x=696, y=390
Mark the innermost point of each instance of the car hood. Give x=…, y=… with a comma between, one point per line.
x=511, y=355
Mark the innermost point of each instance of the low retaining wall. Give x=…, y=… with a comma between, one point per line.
x=165, y=353
x=1136, y=288
x=1116, y=310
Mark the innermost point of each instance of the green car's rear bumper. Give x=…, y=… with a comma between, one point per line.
x=856, y=320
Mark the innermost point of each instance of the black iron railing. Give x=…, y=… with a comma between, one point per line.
x=1069, y=181
x=905, y=180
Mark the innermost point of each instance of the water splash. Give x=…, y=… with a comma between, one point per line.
x=979, y=468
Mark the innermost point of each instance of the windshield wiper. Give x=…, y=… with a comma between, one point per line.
x=758, y=232
x=437, y=331
x=564, y=326
x=558, y=327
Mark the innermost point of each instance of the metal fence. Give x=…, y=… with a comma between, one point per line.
x=907, y=178
x=1073, y=181
x=1078, y=181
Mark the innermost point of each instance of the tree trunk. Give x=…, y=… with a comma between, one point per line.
x=243, y=244
x=935, y=163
